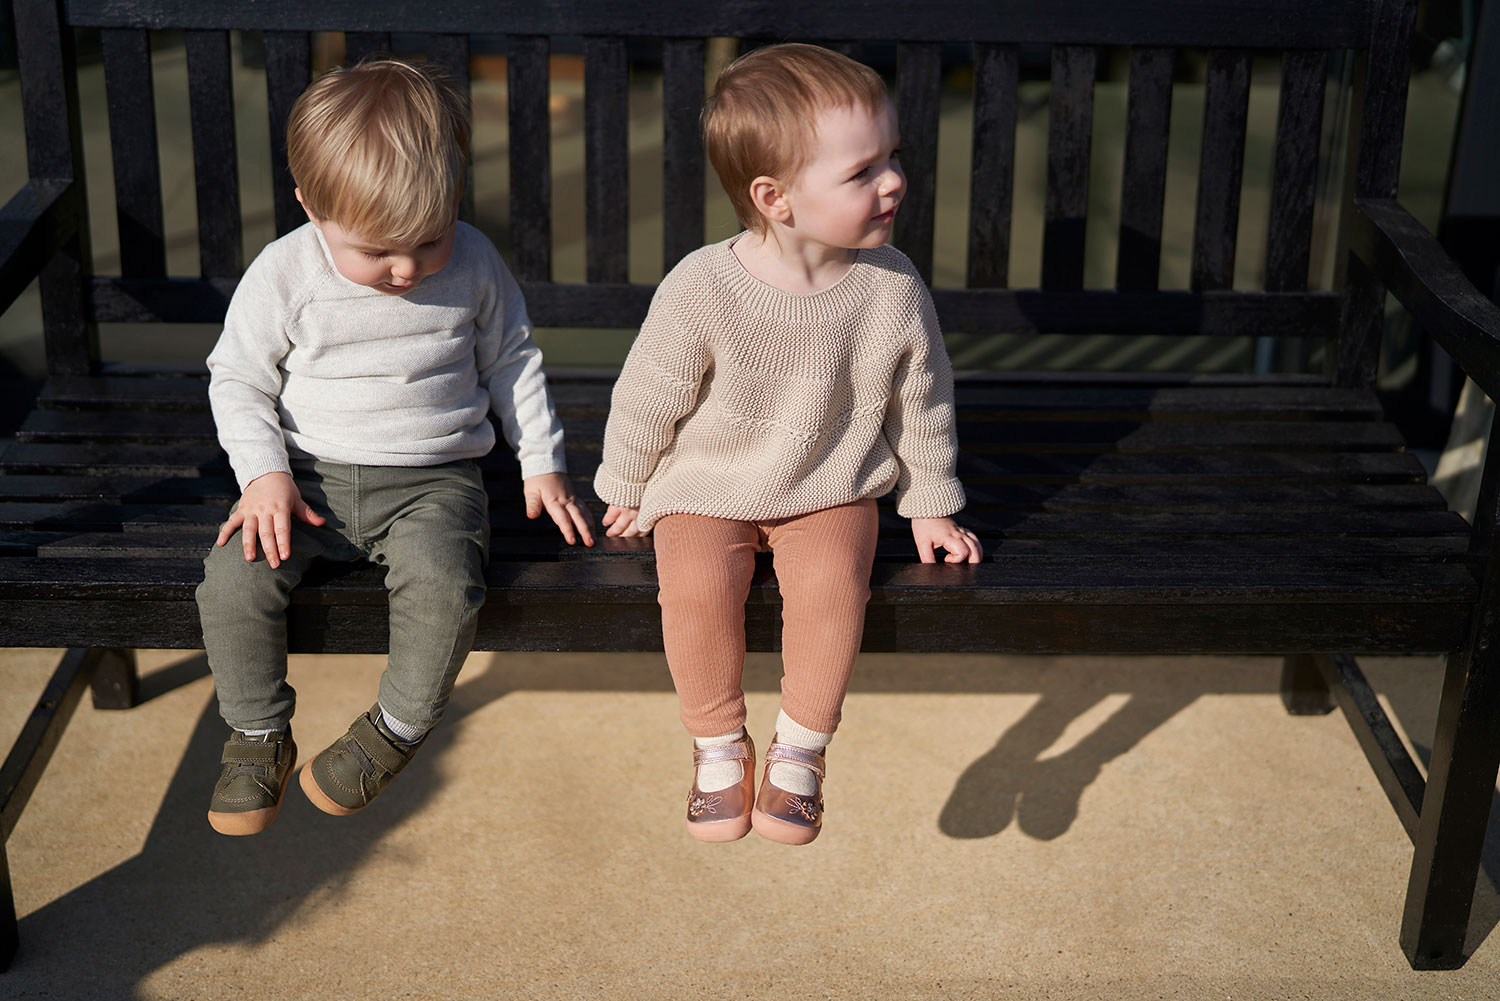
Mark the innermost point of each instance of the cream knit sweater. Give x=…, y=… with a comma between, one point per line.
x=312, y=364
x=742, y=401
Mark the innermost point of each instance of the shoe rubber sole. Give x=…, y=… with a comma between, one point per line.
x=719, y=831
x=318, y=797
x=780, y=831
x=238, y=825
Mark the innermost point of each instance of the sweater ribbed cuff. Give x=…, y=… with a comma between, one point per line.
x=538, y=465
x=248, y=468
x=617, y=492
x=934, y=500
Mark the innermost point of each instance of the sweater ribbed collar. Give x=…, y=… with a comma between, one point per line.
x=839, y=299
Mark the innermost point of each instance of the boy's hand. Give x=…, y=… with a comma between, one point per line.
x=961, y=544
x=265, y=512
x=621, y=522
x=554, y=493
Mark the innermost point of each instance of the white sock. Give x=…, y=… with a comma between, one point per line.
x=257, y=733
x=795, y=778
x=409, y=734
x=719, y=774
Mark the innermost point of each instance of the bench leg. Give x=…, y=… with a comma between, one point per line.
x=1303, y=690
x=116, y=681
x=1455, y=811
x=10, y=933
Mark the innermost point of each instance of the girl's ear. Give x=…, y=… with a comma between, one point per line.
x=768, y=195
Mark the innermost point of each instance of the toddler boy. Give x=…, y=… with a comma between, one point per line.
x=360, y=358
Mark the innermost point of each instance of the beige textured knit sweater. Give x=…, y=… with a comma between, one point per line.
x=741, y=401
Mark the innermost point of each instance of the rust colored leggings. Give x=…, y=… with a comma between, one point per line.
x=822, y=562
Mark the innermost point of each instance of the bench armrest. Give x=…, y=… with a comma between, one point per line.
x=1419, y=272
x=33, y=224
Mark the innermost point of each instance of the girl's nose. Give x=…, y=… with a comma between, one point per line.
x=892, y=181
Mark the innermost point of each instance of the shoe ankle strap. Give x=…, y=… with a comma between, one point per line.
x=738, y=751
x=791, y=754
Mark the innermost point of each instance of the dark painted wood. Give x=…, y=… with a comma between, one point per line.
x=215, y=169
x=362, y=45
x=1226, y=105
x=1303, y=691
x=918, y=97
x=132, y=144
x=1413, y=265
x=530, y=163
x=1299, y=128
x=992, y=170
x=10, y=932
x=1070, y=135
x=1143, y=186
x=32, y=226
x=115, y=682
x=606, y=128
x=682, y=149
x=54, y=151
x=1269, y=23
x=1394, y=769
x=40, y=733
x=288, y=72
x=451, y=53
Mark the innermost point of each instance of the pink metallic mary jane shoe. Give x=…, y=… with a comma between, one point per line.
x=787, y=817
x=724, y=814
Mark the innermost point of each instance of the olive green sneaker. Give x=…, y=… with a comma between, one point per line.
x=351, y=771
x=248, y=794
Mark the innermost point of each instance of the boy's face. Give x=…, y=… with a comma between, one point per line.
x=847, y=192
x=380, y=266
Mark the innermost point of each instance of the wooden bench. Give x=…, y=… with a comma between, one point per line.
x=1121, y=513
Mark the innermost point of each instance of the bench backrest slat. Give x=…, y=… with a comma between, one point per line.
x=1299, y=128
x=993, y=164
x=606, y=116
x=451, y=54
x=1070, y=135
x=530, y=162
x=215, y=169
x=1143, y=186
x=683, y=61
x=132, y=143
x=918, y=93
x=360, y=45
x=1226, y=106
x=288, y=69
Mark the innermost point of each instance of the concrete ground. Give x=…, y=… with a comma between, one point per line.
x=998, y=827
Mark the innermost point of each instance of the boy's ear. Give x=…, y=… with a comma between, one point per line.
x=310, y=216
x=768, y=195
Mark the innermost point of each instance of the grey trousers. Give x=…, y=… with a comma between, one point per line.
x=429, y=525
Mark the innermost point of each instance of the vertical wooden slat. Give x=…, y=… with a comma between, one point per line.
x=918, y=93
x=992, y=178
x=606, y=127
x=211, y=100
x=288, y=67
x=54, y=149
x=1143, y=187
x=1068, y=144
x=1226, y=105
x=682, y=152
x=1299, y=129
x=531, y=160
x=132, y=144
x=451, y=54
x=360, y=45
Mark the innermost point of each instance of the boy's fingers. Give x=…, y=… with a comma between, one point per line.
x=562, y=521
x=305, y=511
x=533, y=506
x=229, y=527
x=582, y=520
x=283, y=528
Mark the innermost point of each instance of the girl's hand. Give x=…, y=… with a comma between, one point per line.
x=265, y=513
x=961, y=544
x=553, y=492
x=621, y=522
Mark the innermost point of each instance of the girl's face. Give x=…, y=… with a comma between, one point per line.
x=847, y=192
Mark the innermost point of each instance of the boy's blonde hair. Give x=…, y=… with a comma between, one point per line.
x=381, y=149
x=761, y=116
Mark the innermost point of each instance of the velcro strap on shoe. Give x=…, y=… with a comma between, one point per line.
x=251, y=754
x=375, y=744
x=791, y=754
x=738, y=751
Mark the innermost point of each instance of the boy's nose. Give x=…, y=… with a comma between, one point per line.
x=404, y=267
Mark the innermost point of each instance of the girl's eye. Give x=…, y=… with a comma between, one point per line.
x=864, y=172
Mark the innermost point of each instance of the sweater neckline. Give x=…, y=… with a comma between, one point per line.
x=837, y=299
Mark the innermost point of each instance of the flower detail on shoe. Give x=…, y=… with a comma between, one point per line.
x=806, y=808
x=699, y=805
